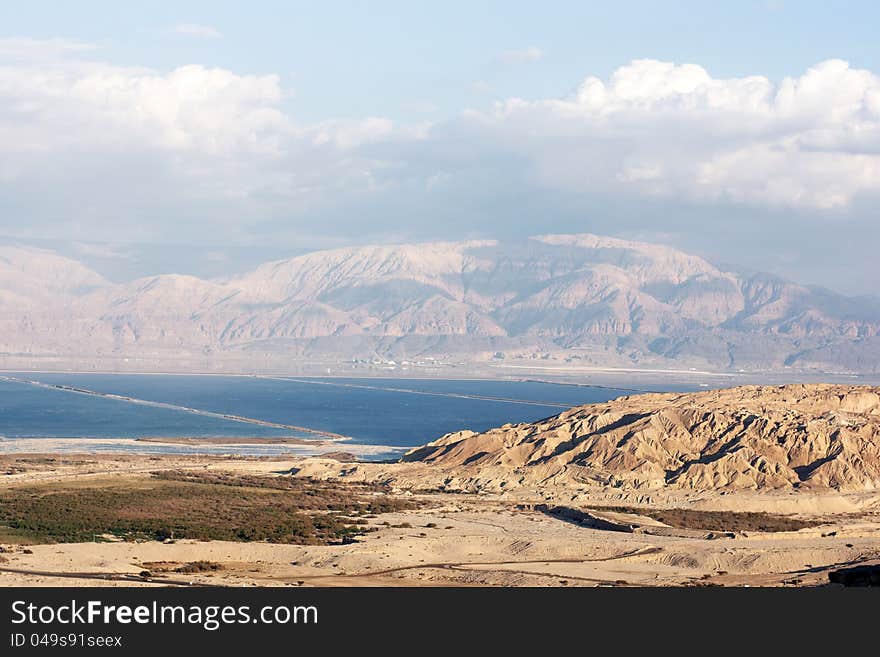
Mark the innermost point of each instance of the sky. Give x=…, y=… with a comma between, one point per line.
x=204, y=137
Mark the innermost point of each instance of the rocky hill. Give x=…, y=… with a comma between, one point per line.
x=812, y=437
x=581, y=299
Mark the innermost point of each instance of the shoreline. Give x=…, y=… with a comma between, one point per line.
x=187, y=446
x=230, y=440
x=491, y=373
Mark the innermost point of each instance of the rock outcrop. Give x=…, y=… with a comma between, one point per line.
x=812, y=437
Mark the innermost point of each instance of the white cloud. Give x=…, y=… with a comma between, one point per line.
x=90, y=147
x=98, y=106
x=524, y=55
x=663, y=129
x=197, y=31
x=118, y=145
x=352, y=133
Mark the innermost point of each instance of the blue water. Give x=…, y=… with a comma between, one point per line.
x=30, y=412
x=391, y=412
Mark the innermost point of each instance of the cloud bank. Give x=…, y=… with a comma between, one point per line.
x=657, y=128
x=93, y=149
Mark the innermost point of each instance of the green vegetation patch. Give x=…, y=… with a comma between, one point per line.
x=203, y=506
x=731, y=521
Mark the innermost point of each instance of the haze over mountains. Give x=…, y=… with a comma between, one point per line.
x=569, y=299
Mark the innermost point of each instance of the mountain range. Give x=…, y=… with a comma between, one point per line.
x=571, y=299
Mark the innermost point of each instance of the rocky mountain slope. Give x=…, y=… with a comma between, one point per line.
x=577, y=298
x=811, y=437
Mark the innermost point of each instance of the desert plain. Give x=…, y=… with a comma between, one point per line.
x=755, y=486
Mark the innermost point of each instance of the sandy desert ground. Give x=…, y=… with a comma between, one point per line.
x=518, y=538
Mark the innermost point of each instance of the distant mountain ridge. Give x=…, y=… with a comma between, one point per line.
x=570, y=298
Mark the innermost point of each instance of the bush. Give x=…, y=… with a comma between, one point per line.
x=202, y=506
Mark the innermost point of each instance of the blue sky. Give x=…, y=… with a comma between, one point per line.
x=408, y=59
x=747, y=132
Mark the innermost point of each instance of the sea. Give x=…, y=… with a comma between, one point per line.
x=379, y=416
